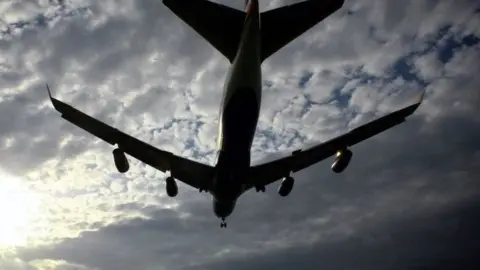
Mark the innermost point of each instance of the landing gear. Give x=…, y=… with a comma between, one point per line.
x=260, y=188
x=223, y=224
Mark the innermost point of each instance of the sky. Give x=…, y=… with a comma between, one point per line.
x=409, y=199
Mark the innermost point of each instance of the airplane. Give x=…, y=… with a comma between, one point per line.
x=246, y=38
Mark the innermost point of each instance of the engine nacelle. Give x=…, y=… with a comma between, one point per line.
x=342, y=160
x=172, y=188
x=286, y=186
x=121, y=161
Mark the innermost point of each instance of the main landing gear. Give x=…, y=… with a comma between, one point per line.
x=223, y=224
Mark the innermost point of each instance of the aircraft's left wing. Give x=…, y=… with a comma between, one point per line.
x=192, y=173
x=267, y=173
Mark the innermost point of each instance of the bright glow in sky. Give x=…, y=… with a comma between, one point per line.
x=19, y=207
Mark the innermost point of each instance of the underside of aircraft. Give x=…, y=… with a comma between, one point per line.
x=246, y=39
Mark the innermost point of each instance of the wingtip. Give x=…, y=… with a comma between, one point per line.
x=419, y=101
x=421, y=97
x=54, y=101
x=48, y=91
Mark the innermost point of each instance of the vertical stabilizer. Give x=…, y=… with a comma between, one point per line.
x=250, y=4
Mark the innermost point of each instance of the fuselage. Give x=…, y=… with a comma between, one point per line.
x=239, y=114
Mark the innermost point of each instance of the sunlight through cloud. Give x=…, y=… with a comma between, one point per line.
x=18, y=208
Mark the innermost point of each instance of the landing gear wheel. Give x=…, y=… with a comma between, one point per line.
x=223, y=224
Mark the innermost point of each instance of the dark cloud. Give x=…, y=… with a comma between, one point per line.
x=394, y=207
x=446, y=239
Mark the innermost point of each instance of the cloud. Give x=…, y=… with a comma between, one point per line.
x=18, y=264
x=433, y=240
x=136, y=66
x=370, y=202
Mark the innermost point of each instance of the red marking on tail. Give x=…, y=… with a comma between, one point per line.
x=246, y=5
x=250, y=5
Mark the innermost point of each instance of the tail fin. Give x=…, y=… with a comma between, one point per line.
x=282, y=25
x=220, y=25
x=250, y=4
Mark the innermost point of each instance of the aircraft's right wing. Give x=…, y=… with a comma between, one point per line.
x=192, y=173
x=267, y=173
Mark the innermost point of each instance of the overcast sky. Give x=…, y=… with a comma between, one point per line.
x=409, y=199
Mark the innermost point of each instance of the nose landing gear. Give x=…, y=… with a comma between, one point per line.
x=223, y=224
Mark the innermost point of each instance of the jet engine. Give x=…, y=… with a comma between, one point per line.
x=121, y=161
x=286, y=186
x=172, y=188
x=342, y=160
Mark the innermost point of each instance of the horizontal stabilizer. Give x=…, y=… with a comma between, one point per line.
x=282, y=25
x=220, y=25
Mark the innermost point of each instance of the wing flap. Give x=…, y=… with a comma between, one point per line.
x=193, y=173
x=90, y=124
x=270, y=172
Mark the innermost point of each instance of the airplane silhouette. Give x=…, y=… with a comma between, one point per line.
x=246, y=39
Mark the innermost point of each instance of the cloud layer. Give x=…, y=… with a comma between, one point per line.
x=408, y=195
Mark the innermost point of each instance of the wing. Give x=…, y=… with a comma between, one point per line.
x=282, y=25
x=220, y=25
x=267, y=173
x=192, y=173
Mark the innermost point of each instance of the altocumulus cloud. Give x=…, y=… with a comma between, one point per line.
x=408, y=200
